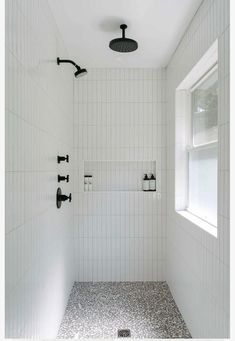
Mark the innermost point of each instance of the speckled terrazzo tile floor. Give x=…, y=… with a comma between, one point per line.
x=98, y=310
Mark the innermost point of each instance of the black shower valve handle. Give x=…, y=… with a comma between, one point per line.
x=63, y=178
x=62, y=158
x=64, y=197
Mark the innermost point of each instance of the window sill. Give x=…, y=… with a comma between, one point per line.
x=199, y=222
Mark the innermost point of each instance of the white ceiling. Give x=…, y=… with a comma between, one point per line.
x=87, y=26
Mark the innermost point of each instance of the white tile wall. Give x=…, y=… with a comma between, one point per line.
x=120, y=115
x=39, y=126
x=197, y=262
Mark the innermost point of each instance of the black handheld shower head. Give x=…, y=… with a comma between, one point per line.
x=79, y=73
x=123, y=44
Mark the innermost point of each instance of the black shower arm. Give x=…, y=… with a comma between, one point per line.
x=123, y=32
x=66, y=61
x=123, y=27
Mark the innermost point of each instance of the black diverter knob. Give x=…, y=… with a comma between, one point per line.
x=63, y=158
x=63, y=178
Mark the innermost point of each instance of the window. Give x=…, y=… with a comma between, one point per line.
x=202, y=152
x=196, y=138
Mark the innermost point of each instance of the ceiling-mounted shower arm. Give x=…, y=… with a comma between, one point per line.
x=123, y=27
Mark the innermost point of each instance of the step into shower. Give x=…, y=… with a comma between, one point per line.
x=122, y=309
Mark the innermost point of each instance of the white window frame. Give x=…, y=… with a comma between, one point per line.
x=184, y=140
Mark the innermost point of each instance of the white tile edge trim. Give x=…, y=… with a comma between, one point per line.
x=201, y=67
x=199, y=222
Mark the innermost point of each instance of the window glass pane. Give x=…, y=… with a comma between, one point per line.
x=203, y=183
x=205, y=110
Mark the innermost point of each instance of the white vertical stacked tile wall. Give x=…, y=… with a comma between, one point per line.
x=39, y=126
x=197, y=262
x=119, y=115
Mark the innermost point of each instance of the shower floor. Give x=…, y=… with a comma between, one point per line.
x=99, y=310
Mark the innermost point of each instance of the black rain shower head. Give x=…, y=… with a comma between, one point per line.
x=79, y=73
x=123, y=44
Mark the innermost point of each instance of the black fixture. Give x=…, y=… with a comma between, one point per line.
x=62, y=158
x=79, y=73
x=62, y=197
x=123, y=44
x=124, y=333
x=63, y=178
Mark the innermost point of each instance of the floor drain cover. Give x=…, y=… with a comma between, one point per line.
x=124, y=333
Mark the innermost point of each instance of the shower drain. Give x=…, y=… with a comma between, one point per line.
x=124, y=333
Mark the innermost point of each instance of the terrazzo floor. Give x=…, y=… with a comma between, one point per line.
x=98, y=310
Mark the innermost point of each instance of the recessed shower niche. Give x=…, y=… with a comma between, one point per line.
x=113, y=176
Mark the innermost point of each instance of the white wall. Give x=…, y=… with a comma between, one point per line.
x=39, y=117
x=197, y=262
x=120, y=116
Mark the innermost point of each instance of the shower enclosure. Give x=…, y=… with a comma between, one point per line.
x=88, y=252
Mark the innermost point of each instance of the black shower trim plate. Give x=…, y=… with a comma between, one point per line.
x=62, y=197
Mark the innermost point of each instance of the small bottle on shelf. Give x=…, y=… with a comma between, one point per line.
x=152, y=183
x=145, y=183
x=86, y=183
x=90, y=183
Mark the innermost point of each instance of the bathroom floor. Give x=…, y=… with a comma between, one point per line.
x=99, y=310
